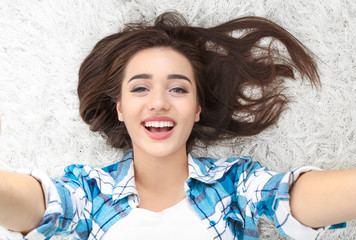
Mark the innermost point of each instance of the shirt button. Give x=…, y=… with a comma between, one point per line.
x=212, y=223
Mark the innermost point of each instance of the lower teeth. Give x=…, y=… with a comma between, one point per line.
x=160, y=130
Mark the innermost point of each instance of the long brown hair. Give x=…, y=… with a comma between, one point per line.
x=239, y=78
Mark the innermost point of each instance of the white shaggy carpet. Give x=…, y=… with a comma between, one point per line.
x=42, y=44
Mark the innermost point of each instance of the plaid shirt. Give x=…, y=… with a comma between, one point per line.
x=228, y=194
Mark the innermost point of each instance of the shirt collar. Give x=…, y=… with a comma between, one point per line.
x=125, y=178
x=209, y=170
x=206, y=170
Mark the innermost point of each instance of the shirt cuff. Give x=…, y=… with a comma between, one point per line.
x=288, y=225
x=53, y=208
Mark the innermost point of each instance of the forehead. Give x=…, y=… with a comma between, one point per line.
x=163, y=60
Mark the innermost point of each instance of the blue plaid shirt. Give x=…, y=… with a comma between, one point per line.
x=228, y=194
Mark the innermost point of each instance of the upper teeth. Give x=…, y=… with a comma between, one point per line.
x=159, y=124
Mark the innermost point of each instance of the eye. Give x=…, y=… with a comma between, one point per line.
x=139, y=89
x=178, y=90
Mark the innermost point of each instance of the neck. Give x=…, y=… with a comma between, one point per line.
x=160, y=172
x=160, y=180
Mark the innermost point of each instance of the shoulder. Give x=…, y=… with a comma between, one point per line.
x=94, y=179
x=87, y=172
x=86, y=177
x=77, y=171
x=209, y=170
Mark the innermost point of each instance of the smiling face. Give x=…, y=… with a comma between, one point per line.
x=158, y=101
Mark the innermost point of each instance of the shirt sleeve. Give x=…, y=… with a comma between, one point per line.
x=67, y=207
x=268, y=194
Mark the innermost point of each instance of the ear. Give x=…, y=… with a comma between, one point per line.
x=119, y=111
x=197, y=114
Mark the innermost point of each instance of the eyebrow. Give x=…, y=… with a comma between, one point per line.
x=170, y=77
x=178, y=76
x=141, y=76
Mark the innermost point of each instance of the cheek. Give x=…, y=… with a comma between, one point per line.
x=190, y=109
x=130, y=108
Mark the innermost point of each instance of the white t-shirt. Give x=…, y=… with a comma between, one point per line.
x=177, y=222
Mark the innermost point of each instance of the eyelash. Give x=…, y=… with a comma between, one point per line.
x=174, y=90
x=178, y=90
x=139, y=89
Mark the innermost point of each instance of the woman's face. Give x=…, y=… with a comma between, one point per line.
x=158, y=101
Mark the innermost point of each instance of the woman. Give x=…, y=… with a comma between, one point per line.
x=159, y=90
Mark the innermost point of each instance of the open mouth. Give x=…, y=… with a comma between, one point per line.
x=158, y=126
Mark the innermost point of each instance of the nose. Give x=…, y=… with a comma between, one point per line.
x=158, y=101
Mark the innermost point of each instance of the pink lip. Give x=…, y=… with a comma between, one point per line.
x=158, y=136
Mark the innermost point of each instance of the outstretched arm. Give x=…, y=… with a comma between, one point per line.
x=321, y=198
x=21, y=202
